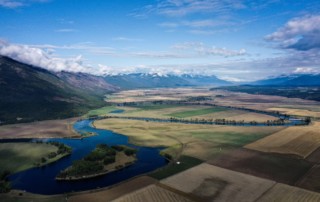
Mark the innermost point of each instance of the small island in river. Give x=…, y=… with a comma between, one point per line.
x=102, y=160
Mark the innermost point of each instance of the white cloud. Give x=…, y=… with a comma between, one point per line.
x=299, y=34
x=40, y=58
x=18, y=3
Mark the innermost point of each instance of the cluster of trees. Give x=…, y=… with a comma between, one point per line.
x=62, y=150
x=5, y=185
x=100, y=152
x=127, y=150
x=82, y=167
x=94, y=162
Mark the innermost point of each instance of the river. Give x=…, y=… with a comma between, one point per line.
x=42, y=180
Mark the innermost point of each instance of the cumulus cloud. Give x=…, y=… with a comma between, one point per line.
x=18, y=3
x=300, y=34
x=41, y=58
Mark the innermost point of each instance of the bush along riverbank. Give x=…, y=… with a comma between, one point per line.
x=63, y=150
x=102, y=160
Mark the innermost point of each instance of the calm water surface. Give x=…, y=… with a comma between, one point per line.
x=42, y=180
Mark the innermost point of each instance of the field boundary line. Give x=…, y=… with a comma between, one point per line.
x=181, y=193
x=304, y=175
x=268, y=190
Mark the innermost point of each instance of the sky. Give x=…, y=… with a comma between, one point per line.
x=236, y=40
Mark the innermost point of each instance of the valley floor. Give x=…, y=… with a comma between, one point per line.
x=209, y=162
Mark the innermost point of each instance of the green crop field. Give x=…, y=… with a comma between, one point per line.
x=197, y=112
x=156, y=107
x=16, y=157
x=185, y=162
x=101, y=111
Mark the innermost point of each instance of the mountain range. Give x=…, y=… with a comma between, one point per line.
x=29, y=93
x=142, y=80
x=302, y=80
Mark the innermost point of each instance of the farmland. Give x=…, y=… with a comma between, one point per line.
x=152, y=193
x=17, y=157
x=209, y=162
x=282, y=192
x=197, y=112
x=211, y=183
x=216, y=184
x=300, y=141
x=200, y=141
x=292, y=106
x=41, y=129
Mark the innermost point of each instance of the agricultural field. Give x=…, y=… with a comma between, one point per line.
x=197, y=112
x=219, y=97
x=183, y=112
x=17, y=157
x=212, y=183
x=173, y=94
x=22, y=196
x=299, y=140
x=100, y=111
x=311, y=180
x=292, y=106
x=42, y=129
x=153, y=193
x=185, y=162
x=297, y=111
x=282, y=192
x=276, y=167
x=107, y=194
x=200, y=141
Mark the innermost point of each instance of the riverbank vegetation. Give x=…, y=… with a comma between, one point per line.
x=102, y=160
x=16, y=157
x=5, y=185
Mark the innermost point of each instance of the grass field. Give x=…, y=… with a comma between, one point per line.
x=311, y=180
x=222, y=98
x=299, y=140
x=21, y=196
x=297, y=112
x=212, y=183
x=153, y=193
x=115, y=192
x=185, y=162
x=41, y=129
x=282, y=192
x=197, y=112
x=16, y=157
x=280, y=168
x=200, y=141
x=100, y=111
x=159, y=111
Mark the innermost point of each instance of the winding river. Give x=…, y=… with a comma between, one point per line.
x=42, y=180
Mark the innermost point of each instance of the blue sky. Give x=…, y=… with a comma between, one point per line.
x=233, y=39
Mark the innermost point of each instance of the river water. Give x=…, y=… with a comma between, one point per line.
x=42, y=180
